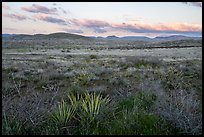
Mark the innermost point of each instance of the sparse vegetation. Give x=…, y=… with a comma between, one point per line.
x=93, y=56
x=52, y=89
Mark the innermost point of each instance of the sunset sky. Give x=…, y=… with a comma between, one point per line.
x=103, y=18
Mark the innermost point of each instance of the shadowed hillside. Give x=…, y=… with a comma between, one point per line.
x=50, y=36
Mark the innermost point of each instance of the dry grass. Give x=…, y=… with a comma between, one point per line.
x=145, y=92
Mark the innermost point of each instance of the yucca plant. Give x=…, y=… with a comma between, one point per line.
x=74, y=99
x=63, y=114
x=90, y=110
x=91, y=105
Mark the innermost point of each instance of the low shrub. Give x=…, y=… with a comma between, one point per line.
x=11, y=126
x=63, y=114
x=93, y=56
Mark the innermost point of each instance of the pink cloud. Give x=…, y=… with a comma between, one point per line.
x=158, y=28
x=94, y=23
x=35, y=8
x=50, y=19
x=4, y=6
x=185, y=27
x=15, y=16
x=97, y=26
x=89, y=23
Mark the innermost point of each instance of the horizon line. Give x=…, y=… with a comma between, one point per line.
x=167, y=35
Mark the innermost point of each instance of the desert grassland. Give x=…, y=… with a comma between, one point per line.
x=96, y=89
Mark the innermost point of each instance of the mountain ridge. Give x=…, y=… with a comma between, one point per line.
x=63, y=35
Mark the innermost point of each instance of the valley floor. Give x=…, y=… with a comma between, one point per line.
x=132, y=91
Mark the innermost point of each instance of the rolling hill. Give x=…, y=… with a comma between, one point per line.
x=49, y=36
x=70, y=36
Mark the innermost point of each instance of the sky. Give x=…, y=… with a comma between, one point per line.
x=149, y=19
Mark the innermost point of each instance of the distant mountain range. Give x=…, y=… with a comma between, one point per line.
x=129, y=38
x=177, y=37
x=143, y=38
x=8, y=35
x=74, y=36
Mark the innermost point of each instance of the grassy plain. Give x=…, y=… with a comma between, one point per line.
x=101, y=87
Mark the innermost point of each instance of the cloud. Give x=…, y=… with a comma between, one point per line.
x=4, y=6
x=63, y=11
x=140, y=27
x=185, y=27
x=15, y=16
x=73, y=30
x=96, y=25
x=39, y=9
x=50, y=19
x=74, y=21
x=159, y=28
x=99, y=30
x=197, y=4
